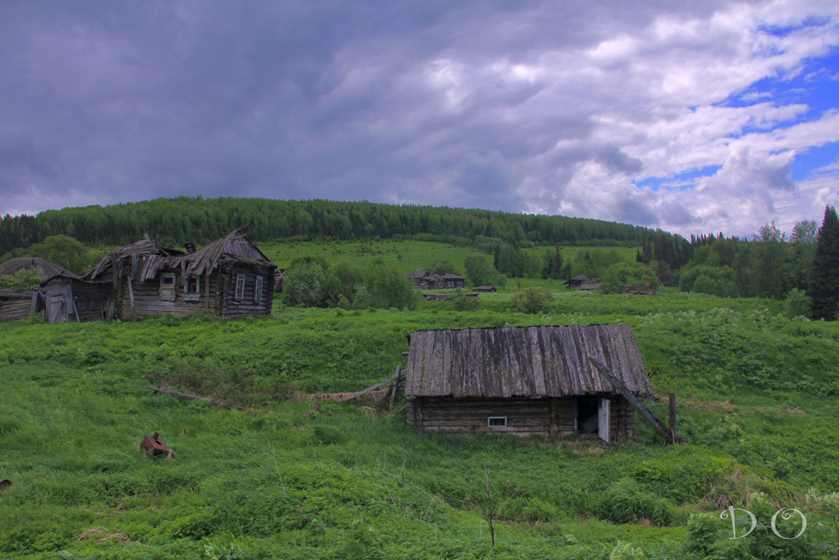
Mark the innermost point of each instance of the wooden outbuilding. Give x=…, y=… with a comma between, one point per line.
x=20, y=304
x=67, y=297
x=582, y=282
x=525, y=381
x=427, y=280
x=229, y=277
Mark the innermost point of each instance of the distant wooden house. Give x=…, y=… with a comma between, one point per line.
x=582, y=282
x=229, y=277
x=485, y=288
x=427, y=280
x=529, y=381
x=21, y=303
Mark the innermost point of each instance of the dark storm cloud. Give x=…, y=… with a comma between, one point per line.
x=429, y=102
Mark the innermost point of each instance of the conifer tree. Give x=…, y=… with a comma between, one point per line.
x=825, y=278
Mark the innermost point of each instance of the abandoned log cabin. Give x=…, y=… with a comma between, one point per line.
x=229, y=277
x=21, y=303
x=583, y=282
x=526, y=381
x=427, y=280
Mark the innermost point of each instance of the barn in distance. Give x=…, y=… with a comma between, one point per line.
x=525, y=381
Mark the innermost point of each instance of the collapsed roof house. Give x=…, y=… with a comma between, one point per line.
x=526, y=381
x=229, y=277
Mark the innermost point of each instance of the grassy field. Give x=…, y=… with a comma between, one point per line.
x=280, y=478
x=407, y=255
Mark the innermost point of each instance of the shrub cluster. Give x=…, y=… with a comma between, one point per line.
x=621, y=276
x=312, y=282
x=532, y=300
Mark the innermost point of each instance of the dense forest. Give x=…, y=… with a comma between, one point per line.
x=199, y=219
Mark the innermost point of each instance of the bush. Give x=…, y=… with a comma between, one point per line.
x=620, y=276
x=798, y=304
x=389, y=288
x=712, y=280
x=462, y=301
x=24, y=279
x=529, y=510
x=480, y=270
x=626, y=551
x=444, y=267
x=532, y=300
x=305, y=283
x=626, y=502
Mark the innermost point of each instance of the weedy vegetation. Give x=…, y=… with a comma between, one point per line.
x=272, y=475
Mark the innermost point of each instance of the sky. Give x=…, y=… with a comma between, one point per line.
x=694, y=117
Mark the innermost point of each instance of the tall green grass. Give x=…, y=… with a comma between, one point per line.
x=280, y=478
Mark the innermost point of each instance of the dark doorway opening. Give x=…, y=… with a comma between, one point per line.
x=587, y=417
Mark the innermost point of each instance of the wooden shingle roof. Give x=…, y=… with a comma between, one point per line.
x=535, y=362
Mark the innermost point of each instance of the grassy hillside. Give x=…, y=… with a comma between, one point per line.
x=407, y=255
x=279, y=478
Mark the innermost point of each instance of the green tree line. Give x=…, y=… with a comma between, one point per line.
x=178, y=220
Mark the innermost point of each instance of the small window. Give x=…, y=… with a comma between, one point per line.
x=497, y=421
x=192, y=288
x=240, y=287
x=257, y=290
x=167, y=286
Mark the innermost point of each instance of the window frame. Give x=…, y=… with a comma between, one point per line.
x=494, y=426
x=258, y=286
x=192, y=295
x=168, y=292
x=237, y=294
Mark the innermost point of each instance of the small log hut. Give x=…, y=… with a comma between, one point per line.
x=525, y=381
x=20, y=304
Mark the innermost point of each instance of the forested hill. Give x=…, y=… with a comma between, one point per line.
x=184, y=219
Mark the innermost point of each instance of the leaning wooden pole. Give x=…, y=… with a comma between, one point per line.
x=669, y=437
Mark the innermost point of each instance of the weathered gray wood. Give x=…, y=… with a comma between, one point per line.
x=131, y=293
x=507, y=362
x=633, y=400
x=394, y=387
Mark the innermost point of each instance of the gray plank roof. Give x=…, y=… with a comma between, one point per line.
x=537, y=362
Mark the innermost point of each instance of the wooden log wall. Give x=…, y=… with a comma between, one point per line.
x=525, y=417
x=14, y=308
x=148, y=302
x=620, y=419
x=246, y=305
x=92, y=301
